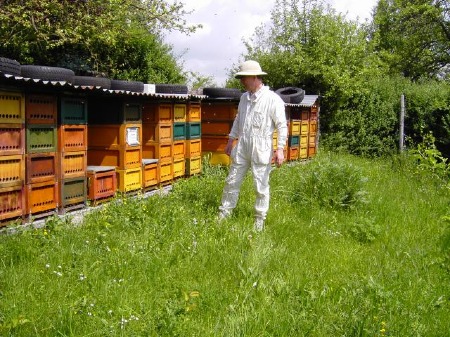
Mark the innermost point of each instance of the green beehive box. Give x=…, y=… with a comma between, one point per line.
x=179, y=131
x=73, y=191
x=72, y=110
x=193, y=130
x=41, y=138
x=294, y=140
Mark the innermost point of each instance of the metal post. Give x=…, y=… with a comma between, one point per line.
x=402, y=123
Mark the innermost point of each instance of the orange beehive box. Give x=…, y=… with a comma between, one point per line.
x=165, y=172
x=12, y=139
x=129, y=180
x=101, y=183
x=156, y=150
x=122, y=158
x=41, y=167
x=193, y=148
x=179, y=149
x=311, y=151
x=179, y=113
x=219, y=111
x=216, y=128
x=150, y=173
x=193, y=165
x=159, y=132
x=12, y=170
x=157, y=113
x=312, y=138
x=72, y=137
x=194, y=113
x=314, y=114
x=313, y=127
x=178, y=168
x=214, y=143
x=12, y=108
x=293, y=153
x=42, y=197
x=113, y=136
x=73, y=164
x=12, y=203
x=41, y=109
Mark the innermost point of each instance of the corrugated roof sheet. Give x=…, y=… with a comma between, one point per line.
x=308, y=100
x=17, y=80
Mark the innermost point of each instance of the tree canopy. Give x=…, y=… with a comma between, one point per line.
x=122, y=38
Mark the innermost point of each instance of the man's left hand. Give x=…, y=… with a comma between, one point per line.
x=279, y=157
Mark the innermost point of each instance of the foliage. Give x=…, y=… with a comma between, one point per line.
x=430, y=160
x=404, y=48
x=121, y=38
x=161, y=265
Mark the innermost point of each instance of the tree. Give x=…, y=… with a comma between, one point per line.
x=119, y=37
x=413, y=37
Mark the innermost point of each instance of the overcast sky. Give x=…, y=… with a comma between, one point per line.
x=212, y=50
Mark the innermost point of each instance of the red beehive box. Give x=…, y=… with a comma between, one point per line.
x=216, y=128
x=41, y=167
x=219, y=111
x=41, y=109
x=12, y=203
x=12, y=139
x=102, y=183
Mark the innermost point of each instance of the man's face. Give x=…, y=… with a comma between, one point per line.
x=250, y=83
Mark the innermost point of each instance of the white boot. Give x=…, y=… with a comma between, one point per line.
x=259, y=225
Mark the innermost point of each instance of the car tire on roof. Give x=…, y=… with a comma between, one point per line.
x=9, y=66
x=163, y=88
x=93, y=81
x=47, y=73
x=292, y=95
x=134, y=86
x=222, y=92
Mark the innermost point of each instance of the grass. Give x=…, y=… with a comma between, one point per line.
x=352, y=247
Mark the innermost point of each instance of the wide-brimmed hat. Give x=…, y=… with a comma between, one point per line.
x=249, y=68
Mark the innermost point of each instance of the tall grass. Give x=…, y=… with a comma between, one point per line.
x=352, y=247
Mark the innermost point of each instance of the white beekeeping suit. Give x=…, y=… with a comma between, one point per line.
x=260, y=112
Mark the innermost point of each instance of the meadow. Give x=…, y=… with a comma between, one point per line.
x=352, y=247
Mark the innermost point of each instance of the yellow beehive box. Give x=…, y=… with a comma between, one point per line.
x=12, y=107
x=179, y=113
x=129, y=180
x=178, y=168
x=193, y=165
x=216, y=158
x=294, y=127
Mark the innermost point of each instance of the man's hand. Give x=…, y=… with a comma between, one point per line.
x=279, y=157
x=229, y=146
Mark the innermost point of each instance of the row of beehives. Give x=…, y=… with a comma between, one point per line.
x=59, y=151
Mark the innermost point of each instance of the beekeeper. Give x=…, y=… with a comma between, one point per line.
x=260, y=112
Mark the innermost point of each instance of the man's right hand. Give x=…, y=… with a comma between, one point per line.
x=229, y=146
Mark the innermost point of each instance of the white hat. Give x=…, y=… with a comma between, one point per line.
x=249, y=68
